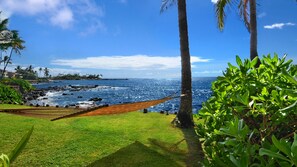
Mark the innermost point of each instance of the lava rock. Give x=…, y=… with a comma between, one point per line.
x=96, y=99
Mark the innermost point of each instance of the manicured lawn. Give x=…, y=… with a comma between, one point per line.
x=131, y=139
x=12, y=106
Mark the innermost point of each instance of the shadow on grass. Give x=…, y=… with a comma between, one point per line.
x=135, y=155
x=195, y=153
x=193, y=157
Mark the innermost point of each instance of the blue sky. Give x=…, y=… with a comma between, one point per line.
x=132, y=39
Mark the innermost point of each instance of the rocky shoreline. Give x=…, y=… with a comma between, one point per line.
x=41, y=94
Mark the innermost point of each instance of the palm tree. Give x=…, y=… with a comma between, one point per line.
x=16, y=45
x=248, y=12
x=4, y=36
x=185, y=116
x=40, y=70
x=18, y=69
x=46, y=72
x=29, y=69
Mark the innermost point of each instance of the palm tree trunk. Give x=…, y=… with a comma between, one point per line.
x=6, y=63
x=185, y=116
x=253, y=30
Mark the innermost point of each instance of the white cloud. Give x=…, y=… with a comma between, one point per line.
x=63, y=18
x=214, y=1
x=209, y=72
x=135, y=62
x=279, y=25
x=290, y=24
x=61, y=13
x=29, y=7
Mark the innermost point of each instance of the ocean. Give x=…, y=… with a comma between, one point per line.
x=123, y=91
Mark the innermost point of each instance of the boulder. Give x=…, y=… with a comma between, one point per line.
x=96, y=99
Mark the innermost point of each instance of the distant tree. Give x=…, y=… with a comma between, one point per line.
x=77, y=77
x=248, y=11
x=40, y=70
x=27, y=73
x=185, y=115
x=17, y=69
x=46, y=72
x=29, y=69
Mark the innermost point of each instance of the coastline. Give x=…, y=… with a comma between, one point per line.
x=53, y=80
x=69, y=93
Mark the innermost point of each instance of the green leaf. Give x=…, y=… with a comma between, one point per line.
x=285, y=164
x=254, y=62
x=20, y=146
x=264, y=151
x=231, y=66
x=243, y=99
x=229, y=142
x=238, y=61
x=235, y=161
x=289, y=77
x=294, y=149
x=281, y=145
x=264, y=91
x=289, y=107
x=4, y=161
x=275, y=95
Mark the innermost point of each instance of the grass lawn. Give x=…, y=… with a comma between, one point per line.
x=130, y=139
x=12, y=106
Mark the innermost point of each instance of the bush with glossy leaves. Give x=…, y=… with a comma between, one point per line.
x=251, y=116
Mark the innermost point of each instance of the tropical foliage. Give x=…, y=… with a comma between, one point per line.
x=77, y=77
x=24, y=85
x=251, y=117
x=10, y=41
x=248, y=12
x=11, y=89
x=15, y=45
x=27, y=73
x=9, y=95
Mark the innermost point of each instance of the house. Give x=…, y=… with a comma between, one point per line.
x=7, y=74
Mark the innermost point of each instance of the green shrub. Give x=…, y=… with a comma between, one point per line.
x=25, y=86
x=9, y=95
x=249, y=105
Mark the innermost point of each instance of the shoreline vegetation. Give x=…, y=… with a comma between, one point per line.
x=46, y=80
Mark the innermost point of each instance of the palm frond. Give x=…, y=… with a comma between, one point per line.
x=244, y=13
x=17, y=42
x=3, y=24
x=166, y=4
x=220, y=12
x=20, y=146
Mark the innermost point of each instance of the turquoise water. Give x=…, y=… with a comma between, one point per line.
x=124, y=91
